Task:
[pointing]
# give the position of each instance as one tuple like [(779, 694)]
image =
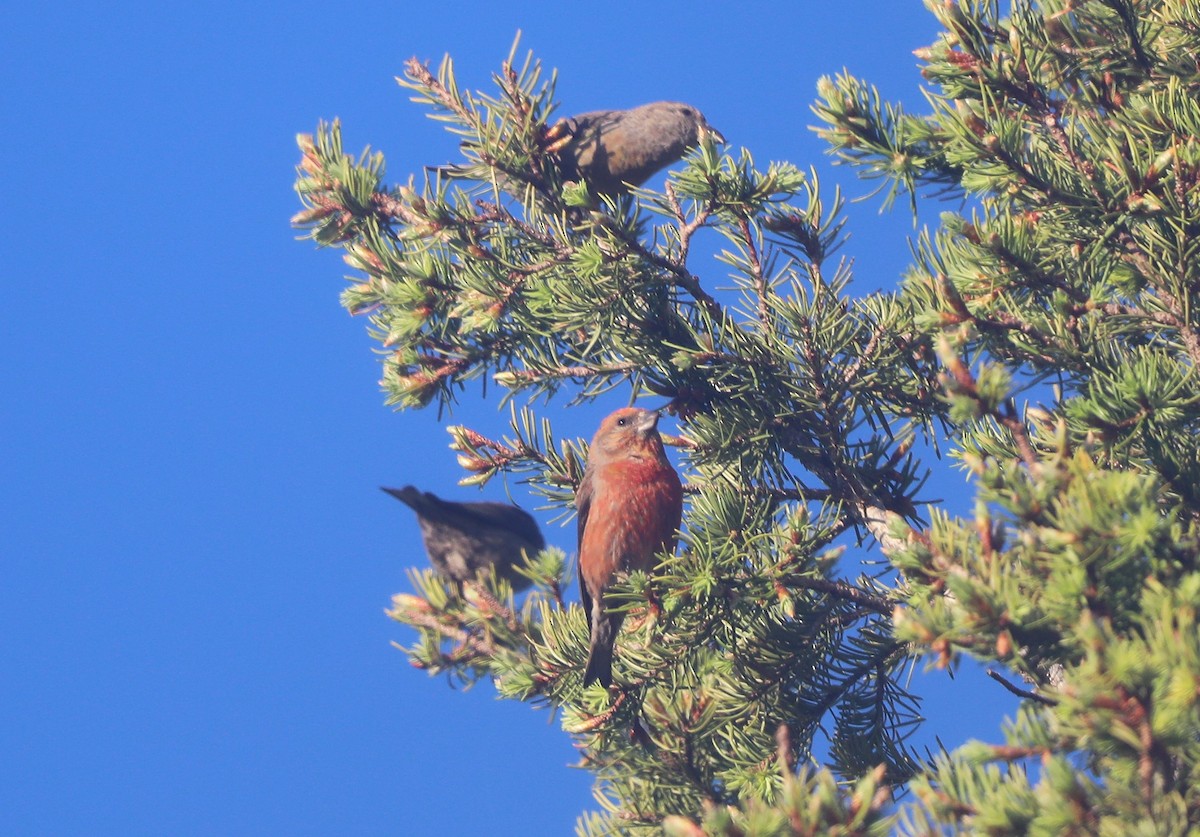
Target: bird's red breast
[(634, 512)]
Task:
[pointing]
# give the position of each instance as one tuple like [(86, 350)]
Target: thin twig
[(683, 277), (481, 646), (756, 272), (686, 229), (842, 590), (572, 371), (1019, 692), (597, 721)]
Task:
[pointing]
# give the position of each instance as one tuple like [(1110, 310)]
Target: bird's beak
[(649, 420), (714, 133)]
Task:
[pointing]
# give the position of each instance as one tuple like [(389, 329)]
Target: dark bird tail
[(600, 652), (407, 495)]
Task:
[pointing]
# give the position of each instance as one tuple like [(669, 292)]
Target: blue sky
[(196, 554)]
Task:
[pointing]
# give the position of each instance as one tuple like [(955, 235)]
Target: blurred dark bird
[(630, 503), (615, 149), (463, 538)]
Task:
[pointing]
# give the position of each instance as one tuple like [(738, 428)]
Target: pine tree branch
[(851, 373), (481, 647), (842, 590), (1129, 24), (830, 466), (495, 607), (761, 288), (1166, 318), (685, 229), (1019, 692), (1001, 322), (802, 494), (596, 721), (683, 277), (1020, 433), (964, 384), (494, 213), (572, 372), (1039, 184), (1133, 251), (420, 74), (872, 663), (1004, 752)]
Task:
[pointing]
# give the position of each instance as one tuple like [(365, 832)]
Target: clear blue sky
[(196, 556)]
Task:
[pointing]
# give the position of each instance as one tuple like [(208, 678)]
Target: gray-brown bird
[(463, 538), (615, 149), (630, 502), (610, 150)]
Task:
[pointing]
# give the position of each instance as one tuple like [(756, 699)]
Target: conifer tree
[(1045, 336)]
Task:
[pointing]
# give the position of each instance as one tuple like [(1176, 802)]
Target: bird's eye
[(622, 422)]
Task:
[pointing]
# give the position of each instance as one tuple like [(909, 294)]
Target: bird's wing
[(585, 132), (597, 119), (505, 516), (583, 505), (465, 516)]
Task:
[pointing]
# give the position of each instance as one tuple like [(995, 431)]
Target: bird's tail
[(600, 652)]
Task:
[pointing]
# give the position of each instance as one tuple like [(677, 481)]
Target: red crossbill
[(612, 148), (630, 502), (463, 538)]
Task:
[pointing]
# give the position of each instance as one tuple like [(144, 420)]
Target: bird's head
[(695, 126), (629, 432)]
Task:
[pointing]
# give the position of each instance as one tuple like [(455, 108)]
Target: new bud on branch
[(630, 504)]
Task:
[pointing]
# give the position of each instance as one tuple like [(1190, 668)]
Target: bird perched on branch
[(463, 538), (614, 149), (610, 150), (630, 503)]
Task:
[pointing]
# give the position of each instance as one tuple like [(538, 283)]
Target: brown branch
[(1004, 752), (686, 229), (419, 73), (966, 384), (1133, 251), (1030, 177), (571, 372), (1083, 167), (842, 590), (1190, 339), (756, 272), (683, 277), (1022, 693), (556, 592), (803, 494), (1008, 419), (851, 373), (597, 721), (1004, 321), (844, 483), (489, 211), (481, 646), (497, 608), (1166, 318), (783, 751)]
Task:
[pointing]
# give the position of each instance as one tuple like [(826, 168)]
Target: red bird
[(630, 502)]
